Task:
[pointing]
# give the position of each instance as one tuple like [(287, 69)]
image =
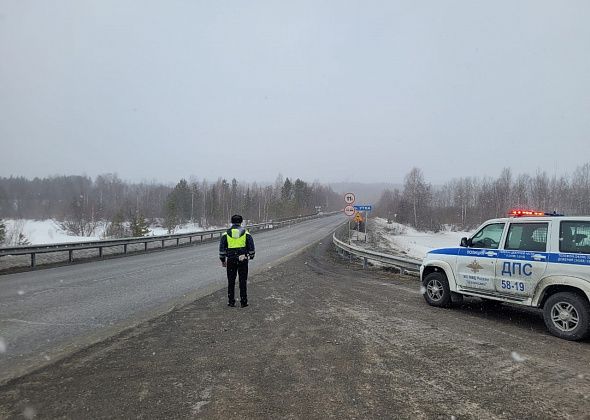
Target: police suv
[(531, 258)]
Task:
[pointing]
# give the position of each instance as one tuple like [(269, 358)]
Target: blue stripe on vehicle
[(550, 257), (445, 251)]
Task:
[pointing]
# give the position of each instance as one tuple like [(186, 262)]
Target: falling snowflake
[(2, 345), (517, 357), (21, 292), (422, 289)]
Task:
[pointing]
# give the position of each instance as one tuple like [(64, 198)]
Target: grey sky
[(332, 91)]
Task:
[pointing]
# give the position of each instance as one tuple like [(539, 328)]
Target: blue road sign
[(368, 207)]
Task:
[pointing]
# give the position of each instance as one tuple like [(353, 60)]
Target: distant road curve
[(49, 313)]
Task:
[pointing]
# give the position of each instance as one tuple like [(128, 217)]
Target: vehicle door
[(523, 261), (476, 263)]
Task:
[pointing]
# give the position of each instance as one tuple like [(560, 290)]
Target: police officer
[(235, 248)]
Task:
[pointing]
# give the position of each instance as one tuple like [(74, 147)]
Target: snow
[(41, 232), (517, 357), (186, 228), (415, 243)]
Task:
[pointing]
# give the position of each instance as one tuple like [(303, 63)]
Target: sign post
[(366, 208), (358, 218), (349, 199)]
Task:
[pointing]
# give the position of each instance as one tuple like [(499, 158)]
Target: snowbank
[(41, 232), (186, 228), (414, 243)]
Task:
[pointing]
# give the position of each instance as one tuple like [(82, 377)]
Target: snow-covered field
[(40, 232), (414, 243)]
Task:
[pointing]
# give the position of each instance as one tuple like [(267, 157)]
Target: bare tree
[(417, 193)]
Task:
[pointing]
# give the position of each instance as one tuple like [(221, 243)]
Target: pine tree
[(139, 226), (170, 219), (116, 228)]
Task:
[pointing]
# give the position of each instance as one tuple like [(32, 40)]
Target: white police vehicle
[(531, 258)]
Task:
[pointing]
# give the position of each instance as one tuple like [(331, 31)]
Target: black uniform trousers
[(235, 268)]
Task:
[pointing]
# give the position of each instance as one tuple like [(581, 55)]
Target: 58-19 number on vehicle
[(517, 286)]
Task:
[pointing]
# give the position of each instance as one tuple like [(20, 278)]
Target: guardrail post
[(177, 241), (364, 262), (162, 243), (70, 255), (125, 249), (32, 259), (100, 251), (145, 246), (200, 238), (190, 239)]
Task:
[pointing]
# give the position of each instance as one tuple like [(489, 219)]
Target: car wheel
[(567, 316), (436, 290)]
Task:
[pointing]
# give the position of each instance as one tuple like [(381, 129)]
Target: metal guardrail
[(100, 245), (406, 265)]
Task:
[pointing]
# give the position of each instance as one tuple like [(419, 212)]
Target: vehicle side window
[(527, 237), (488, 237), (574, 237)]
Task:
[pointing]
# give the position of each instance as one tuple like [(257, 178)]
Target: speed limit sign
[(349, 198)]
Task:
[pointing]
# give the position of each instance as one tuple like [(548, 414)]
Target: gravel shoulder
[(322, 339)]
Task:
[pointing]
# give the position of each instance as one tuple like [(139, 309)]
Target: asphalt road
[(48, 313), (321, 339)]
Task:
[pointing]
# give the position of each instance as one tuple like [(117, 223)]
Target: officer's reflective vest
[(235, 240)]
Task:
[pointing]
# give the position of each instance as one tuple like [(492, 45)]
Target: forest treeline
[(466, 202), (80, 202)]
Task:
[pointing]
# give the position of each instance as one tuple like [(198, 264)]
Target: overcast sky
[(327, 90)]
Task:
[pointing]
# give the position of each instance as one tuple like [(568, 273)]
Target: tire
[(437, 292), (567, 316)]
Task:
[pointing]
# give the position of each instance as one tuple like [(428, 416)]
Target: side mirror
[(465, 242)]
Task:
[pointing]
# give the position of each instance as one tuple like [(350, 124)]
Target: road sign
[(358, 217), (349, 211), (349, 198), (364, 207)]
